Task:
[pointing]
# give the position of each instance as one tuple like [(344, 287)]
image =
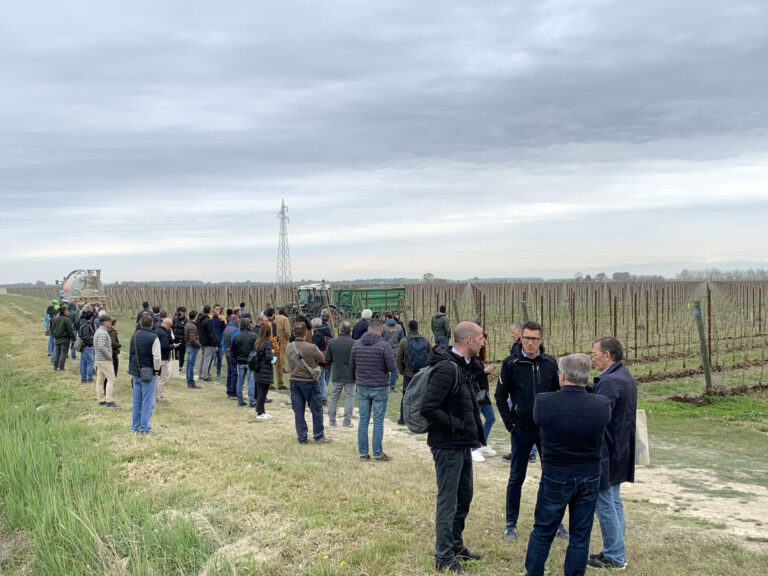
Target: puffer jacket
[(371, 360), (191, 339), (454, 418), (102, 345)]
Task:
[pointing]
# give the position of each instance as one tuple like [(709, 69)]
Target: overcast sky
[(156, 140)]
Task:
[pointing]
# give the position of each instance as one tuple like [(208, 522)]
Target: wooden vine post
[(703, 345)]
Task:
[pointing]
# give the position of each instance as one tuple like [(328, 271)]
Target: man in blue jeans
[(522, 378), (144, 353), (304, 359), (617, 385), (571, 425), (242, 345), (372, 362)]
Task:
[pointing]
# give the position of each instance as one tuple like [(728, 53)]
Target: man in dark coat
[(455, 427), (208, 342), (337, 355), (362, 326), (62, 332), (571, 426), (618, 458), (520, 380)]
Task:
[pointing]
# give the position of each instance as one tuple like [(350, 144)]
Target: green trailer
[(352, 301), (348, 302)]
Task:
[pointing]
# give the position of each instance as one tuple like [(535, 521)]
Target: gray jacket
[(371, 360), (102, 345), (337, 354)]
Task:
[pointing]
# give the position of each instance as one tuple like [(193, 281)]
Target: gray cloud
[(394, 110)]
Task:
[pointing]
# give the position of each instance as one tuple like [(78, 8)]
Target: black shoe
[(251, 404), (110, 404), (465, 554), (194, 386), (401, 422), (242, 404), (365, 457), (562, 533), (600, 561), (102, 403), (510, 533), (267, 400), (531, 458), (507, 457), (452, 566)]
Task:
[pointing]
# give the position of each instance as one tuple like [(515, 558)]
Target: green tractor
[(346, 303)]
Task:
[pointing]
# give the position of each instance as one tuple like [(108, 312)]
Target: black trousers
[(261, 395), (453, 470), (61, 352)]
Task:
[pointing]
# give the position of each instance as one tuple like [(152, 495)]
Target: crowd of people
[(585, 434)]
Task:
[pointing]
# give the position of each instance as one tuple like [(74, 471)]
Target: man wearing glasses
[(618, 458), (522, 378)]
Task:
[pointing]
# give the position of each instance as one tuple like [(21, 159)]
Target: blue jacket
[(360, 328), (618, 385), (571, 424), (371, 360)]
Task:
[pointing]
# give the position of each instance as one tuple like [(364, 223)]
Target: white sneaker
[(264, 416), (477, 457), (487, 450)]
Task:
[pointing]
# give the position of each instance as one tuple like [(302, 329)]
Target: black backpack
[(417, 353), (414, 394)]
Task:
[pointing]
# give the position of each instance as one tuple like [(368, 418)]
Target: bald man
[(167, 345), (450, 406)]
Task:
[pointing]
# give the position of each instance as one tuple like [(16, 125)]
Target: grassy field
[(218, 492)]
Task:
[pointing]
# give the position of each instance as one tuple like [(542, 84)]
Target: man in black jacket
[(179, 319), (450, 407), (571, 425), (521, 379), (242, 345), (62, 332), (208, 343), (337, 355)]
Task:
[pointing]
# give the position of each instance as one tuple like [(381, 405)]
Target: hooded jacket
[(371, 360), (441, 326), (454, 418)]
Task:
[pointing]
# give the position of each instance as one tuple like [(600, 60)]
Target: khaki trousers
[(105, 380), (280, 364), (161, 380)]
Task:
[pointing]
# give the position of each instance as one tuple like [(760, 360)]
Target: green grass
[(217, 493)]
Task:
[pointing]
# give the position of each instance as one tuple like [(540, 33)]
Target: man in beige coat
[(105, 368), (283, 334)]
